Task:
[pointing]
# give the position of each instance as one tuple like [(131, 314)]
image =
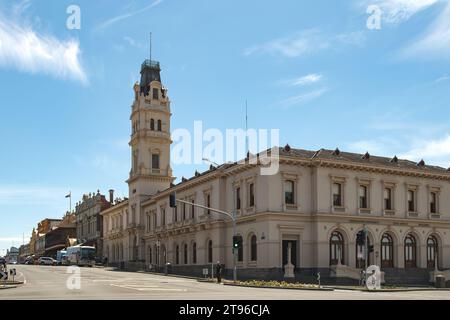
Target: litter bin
[(168, 268), (440, 281)]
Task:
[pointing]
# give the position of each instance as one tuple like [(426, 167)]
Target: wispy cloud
[(23, 48), (398, 11), (30, 195), (303, 98), (304, 80), (305, 42), (133, 42), (443, 78), (435, 42), (111, 21)]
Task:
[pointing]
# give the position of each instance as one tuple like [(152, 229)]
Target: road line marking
[(147, 289)]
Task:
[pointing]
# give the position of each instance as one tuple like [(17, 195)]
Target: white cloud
[(438, 149), (435, 42), (303, 98), (304, 80), (306, 42), (23, 48), (111, 21), (443, 78), (398, 11), (133, 42)]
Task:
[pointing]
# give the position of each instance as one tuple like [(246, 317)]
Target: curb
[(284, 288), (7, 287), (393, 290)]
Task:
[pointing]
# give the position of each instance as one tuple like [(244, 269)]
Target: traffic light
[(361, 238), (173, 200), (237, 242)]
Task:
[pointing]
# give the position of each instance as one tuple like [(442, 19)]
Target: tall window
[(192, 210), (240, 251), (152, 124), (387, 199), (208, 203), (177, 255), (159, 125), (252, 195), (175, 214), (360, 258), (184, 211), (185, 251), (210, 252), (155, 93), (337, 194), (289, 192), (432, 252), (163, 217), (150, 257), (411, 201), (387, 251), (433, 202), (253, 248), (155, 161), (410, 251), (363, 197), (194, 253), (238, 198), (336, 248)]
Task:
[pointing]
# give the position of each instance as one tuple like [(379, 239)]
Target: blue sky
[(310, 68)]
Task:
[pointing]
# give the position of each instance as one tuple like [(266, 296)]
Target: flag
[(69, 195)]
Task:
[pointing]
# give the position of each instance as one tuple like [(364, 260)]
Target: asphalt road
[(46, 282)]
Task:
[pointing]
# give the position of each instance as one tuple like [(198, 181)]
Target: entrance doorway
[(294, 250)]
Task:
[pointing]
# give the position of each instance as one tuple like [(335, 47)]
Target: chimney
[(111, 196)]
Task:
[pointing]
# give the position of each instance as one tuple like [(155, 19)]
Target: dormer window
[(155, 93)]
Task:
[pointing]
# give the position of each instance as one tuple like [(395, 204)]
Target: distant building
[(89, 222), (12, 255), (24, 252)]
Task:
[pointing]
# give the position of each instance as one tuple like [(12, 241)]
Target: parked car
[(46, 261)]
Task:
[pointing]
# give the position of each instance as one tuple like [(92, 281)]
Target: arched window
[(210, 252), (152, 124), (194, 253), (253, 248), (432, 252), (185, 253), (177, 255), (336, 248), (360, 258), (159, 125), (387, 251), (410, 252), (240, 250)]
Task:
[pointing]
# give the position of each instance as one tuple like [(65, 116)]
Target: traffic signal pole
[(232, 216)]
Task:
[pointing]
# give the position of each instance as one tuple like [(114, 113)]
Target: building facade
[(311, 210), (89, 222)]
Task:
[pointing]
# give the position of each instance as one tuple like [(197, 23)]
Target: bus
[(81, 256), (60, 257)]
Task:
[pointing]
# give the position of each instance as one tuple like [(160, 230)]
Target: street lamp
[(232, 216), (212, 162)]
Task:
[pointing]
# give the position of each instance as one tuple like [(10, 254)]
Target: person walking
[(219, 272)]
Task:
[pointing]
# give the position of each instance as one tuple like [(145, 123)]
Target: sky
[(325, 73)]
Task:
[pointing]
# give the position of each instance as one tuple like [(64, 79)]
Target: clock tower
[(150, 146)]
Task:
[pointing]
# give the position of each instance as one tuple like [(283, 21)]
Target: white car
[(47, 261)]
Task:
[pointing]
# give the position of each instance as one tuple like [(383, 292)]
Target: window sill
[(388, 212), (364, 211), (291, 207), (338, 209), (413, 214), (434, 216), (252, 264), (250, 210)]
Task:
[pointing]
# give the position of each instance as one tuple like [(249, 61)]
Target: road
[(46, 282)]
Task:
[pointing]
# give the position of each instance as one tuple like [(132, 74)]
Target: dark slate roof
[(336, 155)]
